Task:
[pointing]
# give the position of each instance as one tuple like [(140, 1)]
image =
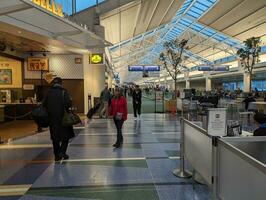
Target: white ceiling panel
[(247, 23), (238, 13), (172, 11), (220, 9), (159, 13), (255, 32), (128, 22), (147, 10)]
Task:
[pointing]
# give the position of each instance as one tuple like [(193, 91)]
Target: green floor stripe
[(172, 153), (117, 163), (108, 145), (104, 193), (168, 140)]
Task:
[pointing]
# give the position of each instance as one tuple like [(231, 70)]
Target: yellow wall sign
[(38, 64), (97, 58), (51, 6)]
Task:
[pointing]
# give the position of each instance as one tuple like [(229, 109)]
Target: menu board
[(38, 64)]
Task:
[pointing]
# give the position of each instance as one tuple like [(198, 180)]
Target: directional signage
[(220, 68), (152, 68), (135, 68), (140, 68)]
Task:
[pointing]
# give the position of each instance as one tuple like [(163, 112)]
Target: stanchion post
[(181, 172), (215, 167)]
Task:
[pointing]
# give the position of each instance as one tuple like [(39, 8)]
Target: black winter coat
[(136, 97), (56, 105), (260, 132)]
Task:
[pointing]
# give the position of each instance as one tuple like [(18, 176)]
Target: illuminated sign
[(97, 58), (152, 68), (38, 64), (220, 68), (51, 6), (140, 68), (135, 68)]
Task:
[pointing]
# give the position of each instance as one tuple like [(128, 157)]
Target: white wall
[(61, 65)]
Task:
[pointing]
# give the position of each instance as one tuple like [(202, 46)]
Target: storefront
[(36, 44)]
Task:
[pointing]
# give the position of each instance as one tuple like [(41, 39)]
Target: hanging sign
[(217, 122), (135, 68), (141, 68), (38, 64), (219, 68), (152, 68), (96, 58), (51, 6)]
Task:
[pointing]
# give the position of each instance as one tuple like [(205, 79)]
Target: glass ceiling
[(186, 19)]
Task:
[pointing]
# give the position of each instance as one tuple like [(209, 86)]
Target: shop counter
[(17, 111)]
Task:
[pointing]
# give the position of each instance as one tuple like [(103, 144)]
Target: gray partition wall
[(233, 167), (198, 150), (241, 168)]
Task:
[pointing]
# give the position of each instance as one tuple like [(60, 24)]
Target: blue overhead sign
[(221, 68), (152, 68), (140, 68), (135, 68)]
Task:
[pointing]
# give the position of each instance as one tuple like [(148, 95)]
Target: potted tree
[(249, 56), (171, 59)]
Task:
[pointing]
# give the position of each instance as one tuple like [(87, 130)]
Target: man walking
[(137, 96), (105, 98), (57, 102)]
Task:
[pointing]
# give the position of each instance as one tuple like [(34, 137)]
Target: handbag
[(40, 116), (69, 118), (119, 116)]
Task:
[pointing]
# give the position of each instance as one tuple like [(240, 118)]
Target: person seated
[(260, 118)]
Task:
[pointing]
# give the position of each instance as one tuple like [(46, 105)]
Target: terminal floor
[(17, 129), (148, 106), (142, 169)]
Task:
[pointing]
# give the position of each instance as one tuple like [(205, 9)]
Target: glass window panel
[(200, 6), (206, 2), (197, 10), (83, 4), (193, 14), (67, 6)]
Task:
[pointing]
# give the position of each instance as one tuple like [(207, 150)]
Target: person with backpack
[(118, 110), (57, 101)]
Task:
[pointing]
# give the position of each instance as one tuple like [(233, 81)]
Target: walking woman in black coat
[(57, 101)]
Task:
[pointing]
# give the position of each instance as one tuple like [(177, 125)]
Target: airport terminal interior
[(132, 99)]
